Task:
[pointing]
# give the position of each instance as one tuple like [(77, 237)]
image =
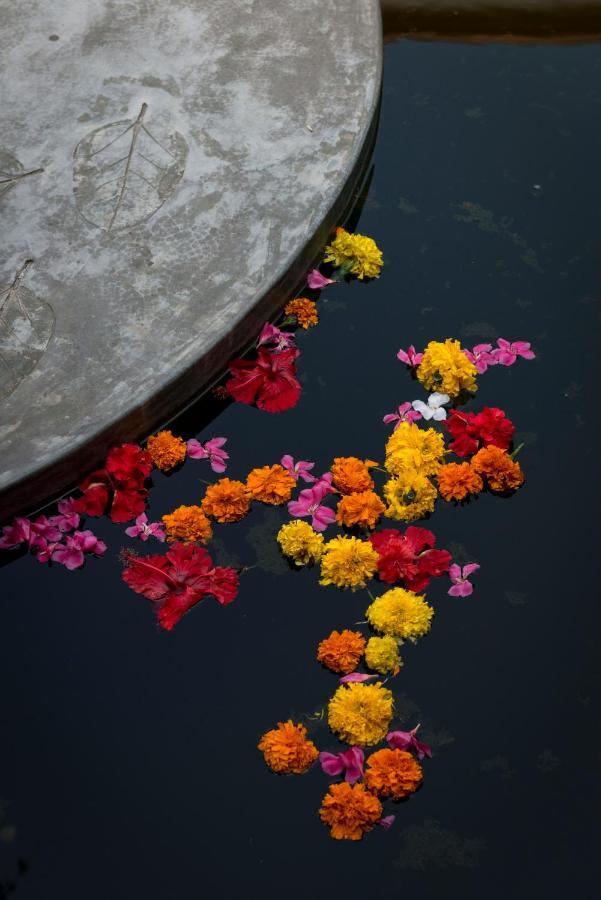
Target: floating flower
[(351, 475), (406, 740), (446, 368), (473, 430), (300, 469), (502, 473), (341, 651), (362, 509), (409, 557), (210, 450), (268, 381), (350, 811), (356, 678), (316, 281), (354, 254), (507, 353), (308, 503), (401, 614), (71, 554), (300, 543), (166, 450), (393, 774), (119, 486), (382, 655), (349, 761), (286, 749), (410, 496), (226, 500), (304, 311), (410, 357), (461, 587), (360, 713), (270, 484), (276, 339), (415, 449), (348, 562), (434, 408), (458, 481), (177, 580), (67, 518), (404, 413), (482, 357), (145, 529), (34, 534), (188, 524)]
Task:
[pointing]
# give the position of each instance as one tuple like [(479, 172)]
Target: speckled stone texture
[(168, 171)]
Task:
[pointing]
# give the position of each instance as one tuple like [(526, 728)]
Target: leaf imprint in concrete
[(124, 172), (26, 326), (12, 171)]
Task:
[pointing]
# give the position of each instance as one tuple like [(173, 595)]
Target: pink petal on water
[(196, 450), (386, 821), (316, 281), (454, 572), (331, 763), (463, 589), (470, 569), (356, 677)]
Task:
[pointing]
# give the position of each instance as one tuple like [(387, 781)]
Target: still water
[(128, 761)]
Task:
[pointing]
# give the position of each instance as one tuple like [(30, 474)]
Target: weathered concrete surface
[(195, 154)]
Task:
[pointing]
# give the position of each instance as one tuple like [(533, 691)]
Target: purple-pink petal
[(316, 281), (387, 821), (469, 569), (356, 677), (331, 763), (462, 589)]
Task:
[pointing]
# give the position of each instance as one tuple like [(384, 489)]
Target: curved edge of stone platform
[(47, 479)]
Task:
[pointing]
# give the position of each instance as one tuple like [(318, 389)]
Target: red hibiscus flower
[(474, 430), (121, 484), (409, 557), (178, 580), (269, 380)]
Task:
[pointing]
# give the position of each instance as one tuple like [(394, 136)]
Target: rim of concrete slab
[(189, 381)]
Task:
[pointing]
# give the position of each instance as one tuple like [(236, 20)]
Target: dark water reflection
[(128, 761)]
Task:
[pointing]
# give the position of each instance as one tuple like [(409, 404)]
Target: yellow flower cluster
[(410, 496), (347, 562), (414, 449), (446, 368), (382, 655), (300, 543), (355, 254), (400, 614), (360, 714)]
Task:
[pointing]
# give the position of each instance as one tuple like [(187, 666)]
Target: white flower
[(433, 409)]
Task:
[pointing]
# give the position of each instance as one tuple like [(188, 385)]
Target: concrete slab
[(168, 170)]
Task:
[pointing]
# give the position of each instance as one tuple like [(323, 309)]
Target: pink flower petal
[(356, 678), (463, 589), (386, 821), (316, 281)]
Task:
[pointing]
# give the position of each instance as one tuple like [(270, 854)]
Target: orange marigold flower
[(270, 484), (287, 750), (393, 773), (456, 481), (341, 651), (188, 523), (303, 310), (500, 470), (166, 450), (350, 811), (351, 475), (363, 508), (226, 500)]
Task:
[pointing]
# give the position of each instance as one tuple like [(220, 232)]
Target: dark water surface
[(128, 760)]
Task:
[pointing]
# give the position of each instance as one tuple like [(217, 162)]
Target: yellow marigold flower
[(287, 750), (300, 543), (166, 450), (350, 811), (348, 562), (411, 448), (456, 481), (304, 311), (446, 368), (226, 500), (393, 773), (382, 655), (360, 713), (356, 254), (351, 475), (270, 484), (501, 471), (401, 614), (363, 509), (410, 496), (188, 523), (341, 651)]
